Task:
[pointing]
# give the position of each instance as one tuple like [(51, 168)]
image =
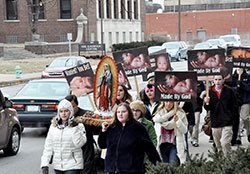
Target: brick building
[(122, 20), (200, 24)]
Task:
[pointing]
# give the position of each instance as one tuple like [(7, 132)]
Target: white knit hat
[(65, 104)]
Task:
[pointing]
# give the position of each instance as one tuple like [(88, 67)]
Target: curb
[(16, 82)]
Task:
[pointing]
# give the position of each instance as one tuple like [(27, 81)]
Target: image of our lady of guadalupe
[(104, 89)]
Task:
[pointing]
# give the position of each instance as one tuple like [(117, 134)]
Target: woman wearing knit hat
[(139, 110), (63, 142)]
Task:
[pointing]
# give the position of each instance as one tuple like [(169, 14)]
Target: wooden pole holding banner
[(93, 106), (175, 127), (239, 76), (207, 88), (137, 88)]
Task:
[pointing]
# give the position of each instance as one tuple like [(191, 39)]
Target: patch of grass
[(32, 65)]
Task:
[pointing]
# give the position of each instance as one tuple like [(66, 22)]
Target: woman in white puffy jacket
[(63, 142), (172, 148)]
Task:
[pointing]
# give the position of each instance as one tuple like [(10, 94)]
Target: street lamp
[(179, 20)]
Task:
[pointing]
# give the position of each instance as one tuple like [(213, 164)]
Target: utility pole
[(100, 1), (179, 20)]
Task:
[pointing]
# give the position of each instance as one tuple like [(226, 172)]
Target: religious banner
[(105, 85), (134, 61), (80, 79), (175, 86), (240, 55)]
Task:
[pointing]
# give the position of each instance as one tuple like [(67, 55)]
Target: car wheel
[(14, 143)]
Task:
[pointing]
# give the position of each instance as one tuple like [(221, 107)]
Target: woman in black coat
[(126, 141)]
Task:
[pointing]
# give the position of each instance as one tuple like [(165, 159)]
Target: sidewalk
[(10, 79)]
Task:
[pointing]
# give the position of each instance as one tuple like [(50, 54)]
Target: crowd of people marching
[(145, 130)]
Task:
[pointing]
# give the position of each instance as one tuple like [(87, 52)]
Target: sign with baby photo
[(240, 56), (161, 62), (134, 61), (122, 78), (175, 86), (209, 62), (80, 79)]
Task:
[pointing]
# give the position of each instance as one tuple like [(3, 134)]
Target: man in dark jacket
[(88, 148), (243, 88), (223, 105)]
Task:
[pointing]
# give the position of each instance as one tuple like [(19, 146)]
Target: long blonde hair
[(162, 105)]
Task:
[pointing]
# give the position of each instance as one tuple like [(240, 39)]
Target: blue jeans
[(169, 153), (68, 172)]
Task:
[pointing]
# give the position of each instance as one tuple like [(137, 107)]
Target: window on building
[(142, 36), (65, 9), (12, 39), (108, 5), (63, 38), (129, 9), (117, 37), (234, 30), (135, 10), (110, 38), (115, 9), (122, 9), (92, 37), (137, 36), (189, 36), (130, 36), (124, 37), (100, 8), (11, 9)]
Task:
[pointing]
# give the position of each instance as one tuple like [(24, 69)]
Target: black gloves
[(45, 170)]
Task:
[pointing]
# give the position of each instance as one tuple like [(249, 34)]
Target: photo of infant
[(162, 62), (209, 62), (206, 61), (81, 85), (80, 79), (134, 62), (176, 85)]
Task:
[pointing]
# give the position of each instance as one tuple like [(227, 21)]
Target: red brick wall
[(51, 28), (215, 22)]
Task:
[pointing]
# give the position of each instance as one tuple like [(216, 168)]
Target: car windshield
[(63, 62), (171, 45), (229, 39), (203, 45), (45, 89), (214, 42)]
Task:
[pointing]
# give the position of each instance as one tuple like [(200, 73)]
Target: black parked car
[(10, 128), (37, 102)]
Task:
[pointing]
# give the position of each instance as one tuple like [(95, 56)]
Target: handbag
[(206, 127)]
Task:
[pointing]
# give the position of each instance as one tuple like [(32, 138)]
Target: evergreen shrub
[(237, 163), (124, 46)]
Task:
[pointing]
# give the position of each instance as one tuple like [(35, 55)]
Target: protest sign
[(175, 86), (240, 55), (122, 78), (80, 79), (209, 62), (134, 61)]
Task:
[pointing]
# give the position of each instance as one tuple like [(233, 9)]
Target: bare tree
[(33, 14)]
